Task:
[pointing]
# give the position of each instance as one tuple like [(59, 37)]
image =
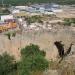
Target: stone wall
[(45, 39)]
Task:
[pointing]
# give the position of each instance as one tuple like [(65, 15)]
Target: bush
[(69, 21), (34, 19), (8, 35), (32, 60), (32, 50), (6, 64), (13, 34)]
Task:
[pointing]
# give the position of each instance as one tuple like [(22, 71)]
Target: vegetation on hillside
[(69, 21), (32, 62), (4, 11), (7, 64), (23, 2), (9, 34), (33, 19)]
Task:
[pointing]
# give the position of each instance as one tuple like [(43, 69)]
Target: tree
[(8, 35), (23, 2), (67, 22), (6, 64), (32, 60), (13, 34), (31, 51), (33, 19)]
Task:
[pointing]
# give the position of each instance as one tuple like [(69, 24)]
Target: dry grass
[(63, 67)]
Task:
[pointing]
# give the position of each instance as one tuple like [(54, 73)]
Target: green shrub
[(69, 21), (6, 64), (33, 60), (8, 35), (13, 34), (33, 19)]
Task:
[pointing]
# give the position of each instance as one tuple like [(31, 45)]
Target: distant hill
[(20, 2)]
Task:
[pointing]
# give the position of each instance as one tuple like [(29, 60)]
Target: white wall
[(57, 10), (5, 17), (20, 7), (48, 13), (15, 11)]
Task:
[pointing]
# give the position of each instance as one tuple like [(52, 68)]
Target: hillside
[(19, 2)]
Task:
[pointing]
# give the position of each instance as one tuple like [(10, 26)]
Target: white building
[(15, 11), (6, 17), (48, 13), (20, 7), (32, 26), (56, 10)]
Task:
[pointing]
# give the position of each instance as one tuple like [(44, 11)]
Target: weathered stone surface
[(72, 50), (42, 38), (51, 72)]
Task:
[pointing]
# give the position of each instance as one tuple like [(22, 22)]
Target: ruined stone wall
[(42, 38)]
